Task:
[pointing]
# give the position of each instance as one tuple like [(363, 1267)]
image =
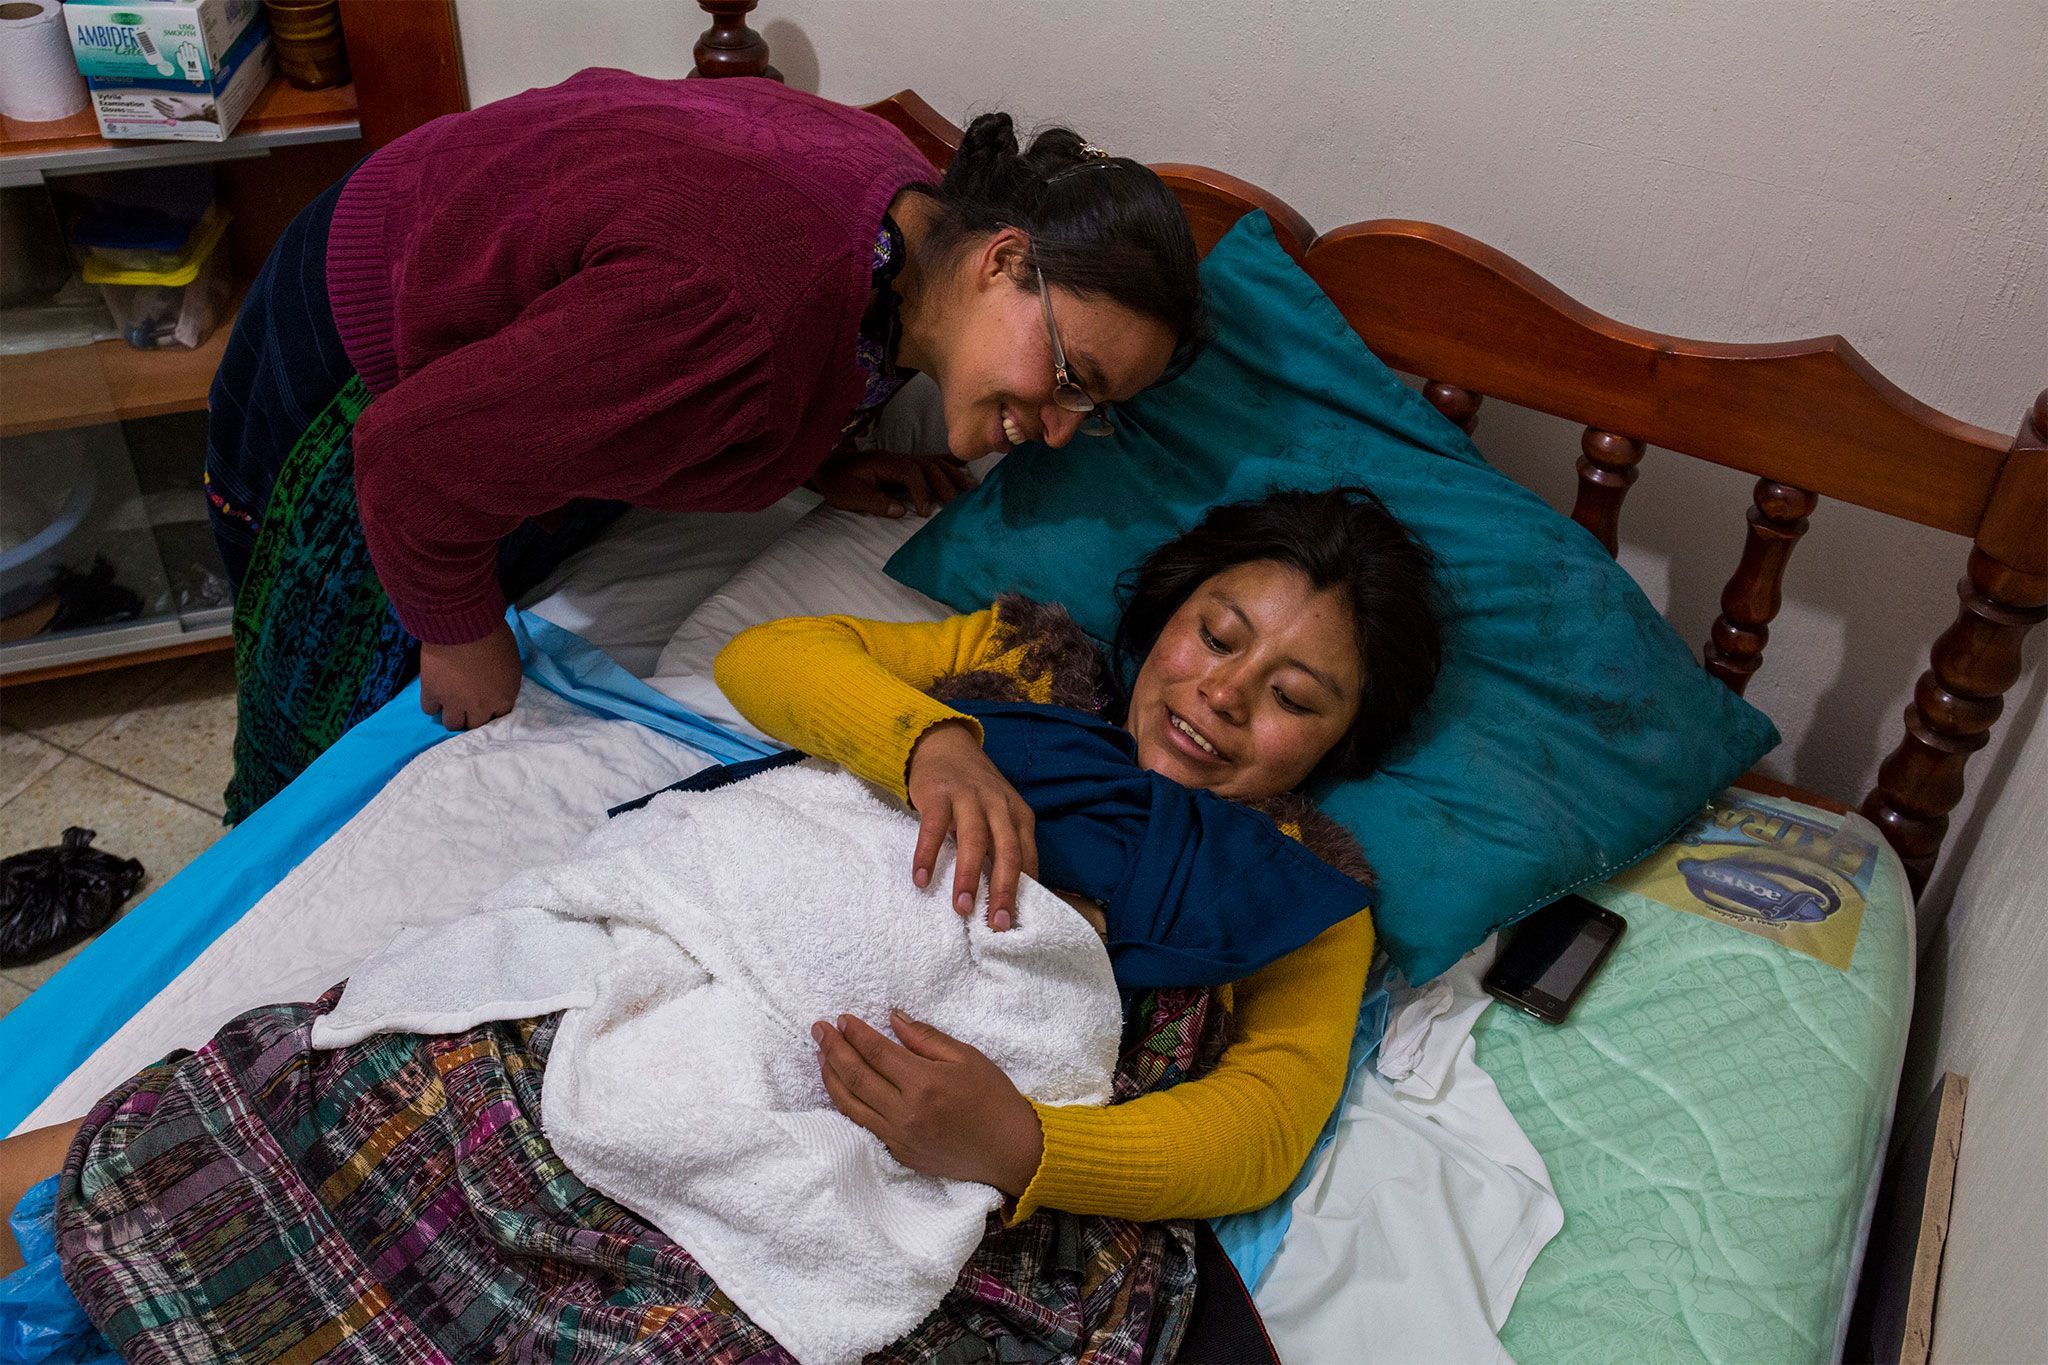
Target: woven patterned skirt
[(317, 645), (397, 1201)]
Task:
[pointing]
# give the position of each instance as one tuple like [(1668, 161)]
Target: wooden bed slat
[(1756, 589), (1892, 1322), (1607, 469)]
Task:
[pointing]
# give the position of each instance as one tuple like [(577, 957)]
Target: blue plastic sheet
[(572, 668), (49, 1034), (40, 1321)]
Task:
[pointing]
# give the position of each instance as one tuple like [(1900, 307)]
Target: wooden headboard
[(1810, 419)]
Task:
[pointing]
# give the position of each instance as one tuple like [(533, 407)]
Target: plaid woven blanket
[(396, 1201)]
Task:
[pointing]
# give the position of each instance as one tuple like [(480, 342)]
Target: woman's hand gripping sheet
[(956, 790), (468, 685), (938, 1105)]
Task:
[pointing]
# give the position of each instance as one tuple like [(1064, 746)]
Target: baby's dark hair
[(1339, 538), (1100, 226)]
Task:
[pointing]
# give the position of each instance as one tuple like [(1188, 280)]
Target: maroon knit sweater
[(620, 288)]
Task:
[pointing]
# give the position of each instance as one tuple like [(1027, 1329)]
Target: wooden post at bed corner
[(1957, 700), (729, 47)]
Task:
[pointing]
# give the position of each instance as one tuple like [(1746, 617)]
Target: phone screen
[(1546, 960), (1575, 961)]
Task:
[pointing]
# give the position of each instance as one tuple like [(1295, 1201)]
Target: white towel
[(692, 945)]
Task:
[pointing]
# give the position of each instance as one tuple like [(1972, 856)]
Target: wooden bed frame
[(1810, 419)]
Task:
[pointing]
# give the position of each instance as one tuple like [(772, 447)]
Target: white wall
[(1733, 171), (1726, 169), (1993, 1016)]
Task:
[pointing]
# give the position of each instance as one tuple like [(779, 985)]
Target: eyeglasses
[(1068, 394)]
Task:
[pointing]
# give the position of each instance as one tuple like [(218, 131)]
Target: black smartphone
[(1547, 959)]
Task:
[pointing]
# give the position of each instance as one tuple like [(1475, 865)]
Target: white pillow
[(828, 564)]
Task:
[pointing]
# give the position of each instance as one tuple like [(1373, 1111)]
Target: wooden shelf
[(207, 640), (283, 114), (108, 381)]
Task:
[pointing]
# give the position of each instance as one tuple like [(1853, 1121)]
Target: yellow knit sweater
[(848, 690)]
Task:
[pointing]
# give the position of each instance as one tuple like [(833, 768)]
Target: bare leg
[(28, 1160)]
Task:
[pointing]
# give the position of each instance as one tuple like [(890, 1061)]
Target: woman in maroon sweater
[(509, 324)]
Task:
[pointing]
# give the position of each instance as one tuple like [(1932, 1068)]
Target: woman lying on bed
[(1281, 640)]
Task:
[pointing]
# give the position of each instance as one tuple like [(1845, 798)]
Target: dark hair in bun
[(1102, 226)]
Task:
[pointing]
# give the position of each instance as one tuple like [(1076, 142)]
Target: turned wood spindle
[(1953, 708), (729, 47), (1755, 590), (1460, 405), (1607, 467), (2004, 595)]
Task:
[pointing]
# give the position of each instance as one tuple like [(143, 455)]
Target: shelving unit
[(289, 147), (110, 381)]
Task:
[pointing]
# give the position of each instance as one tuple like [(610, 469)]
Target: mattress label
[(1792, 874)]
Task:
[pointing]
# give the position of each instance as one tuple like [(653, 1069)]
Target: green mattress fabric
[(1712, 1114)]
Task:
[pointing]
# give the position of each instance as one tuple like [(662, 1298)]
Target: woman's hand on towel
[(940, 1106), (473, 684), (956, 789)]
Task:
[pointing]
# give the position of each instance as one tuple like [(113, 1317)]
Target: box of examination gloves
[(157, 40), (180, 69)]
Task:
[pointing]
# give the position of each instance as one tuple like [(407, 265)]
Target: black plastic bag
[(51, 898), (92, 598)]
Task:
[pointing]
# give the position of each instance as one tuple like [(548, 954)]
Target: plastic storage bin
[(164, 298)]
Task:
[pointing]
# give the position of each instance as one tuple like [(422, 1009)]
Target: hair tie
[(1098, 160)]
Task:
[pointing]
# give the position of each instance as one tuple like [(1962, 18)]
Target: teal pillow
[(1571, 732)]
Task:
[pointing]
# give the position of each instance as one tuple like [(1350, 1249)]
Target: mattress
[(1714, 1111)]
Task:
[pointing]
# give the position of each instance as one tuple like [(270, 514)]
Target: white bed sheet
[(629, 591)]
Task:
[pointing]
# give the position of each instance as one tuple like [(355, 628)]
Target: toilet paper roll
[(39, 80)]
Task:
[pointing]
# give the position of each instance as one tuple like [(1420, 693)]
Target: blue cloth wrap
[(1198, 890)]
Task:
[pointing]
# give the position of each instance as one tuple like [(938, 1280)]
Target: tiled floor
[(139, 754)]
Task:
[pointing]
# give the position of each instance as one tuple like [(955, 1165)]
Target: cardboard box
[(205, 110), (156, 40)]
